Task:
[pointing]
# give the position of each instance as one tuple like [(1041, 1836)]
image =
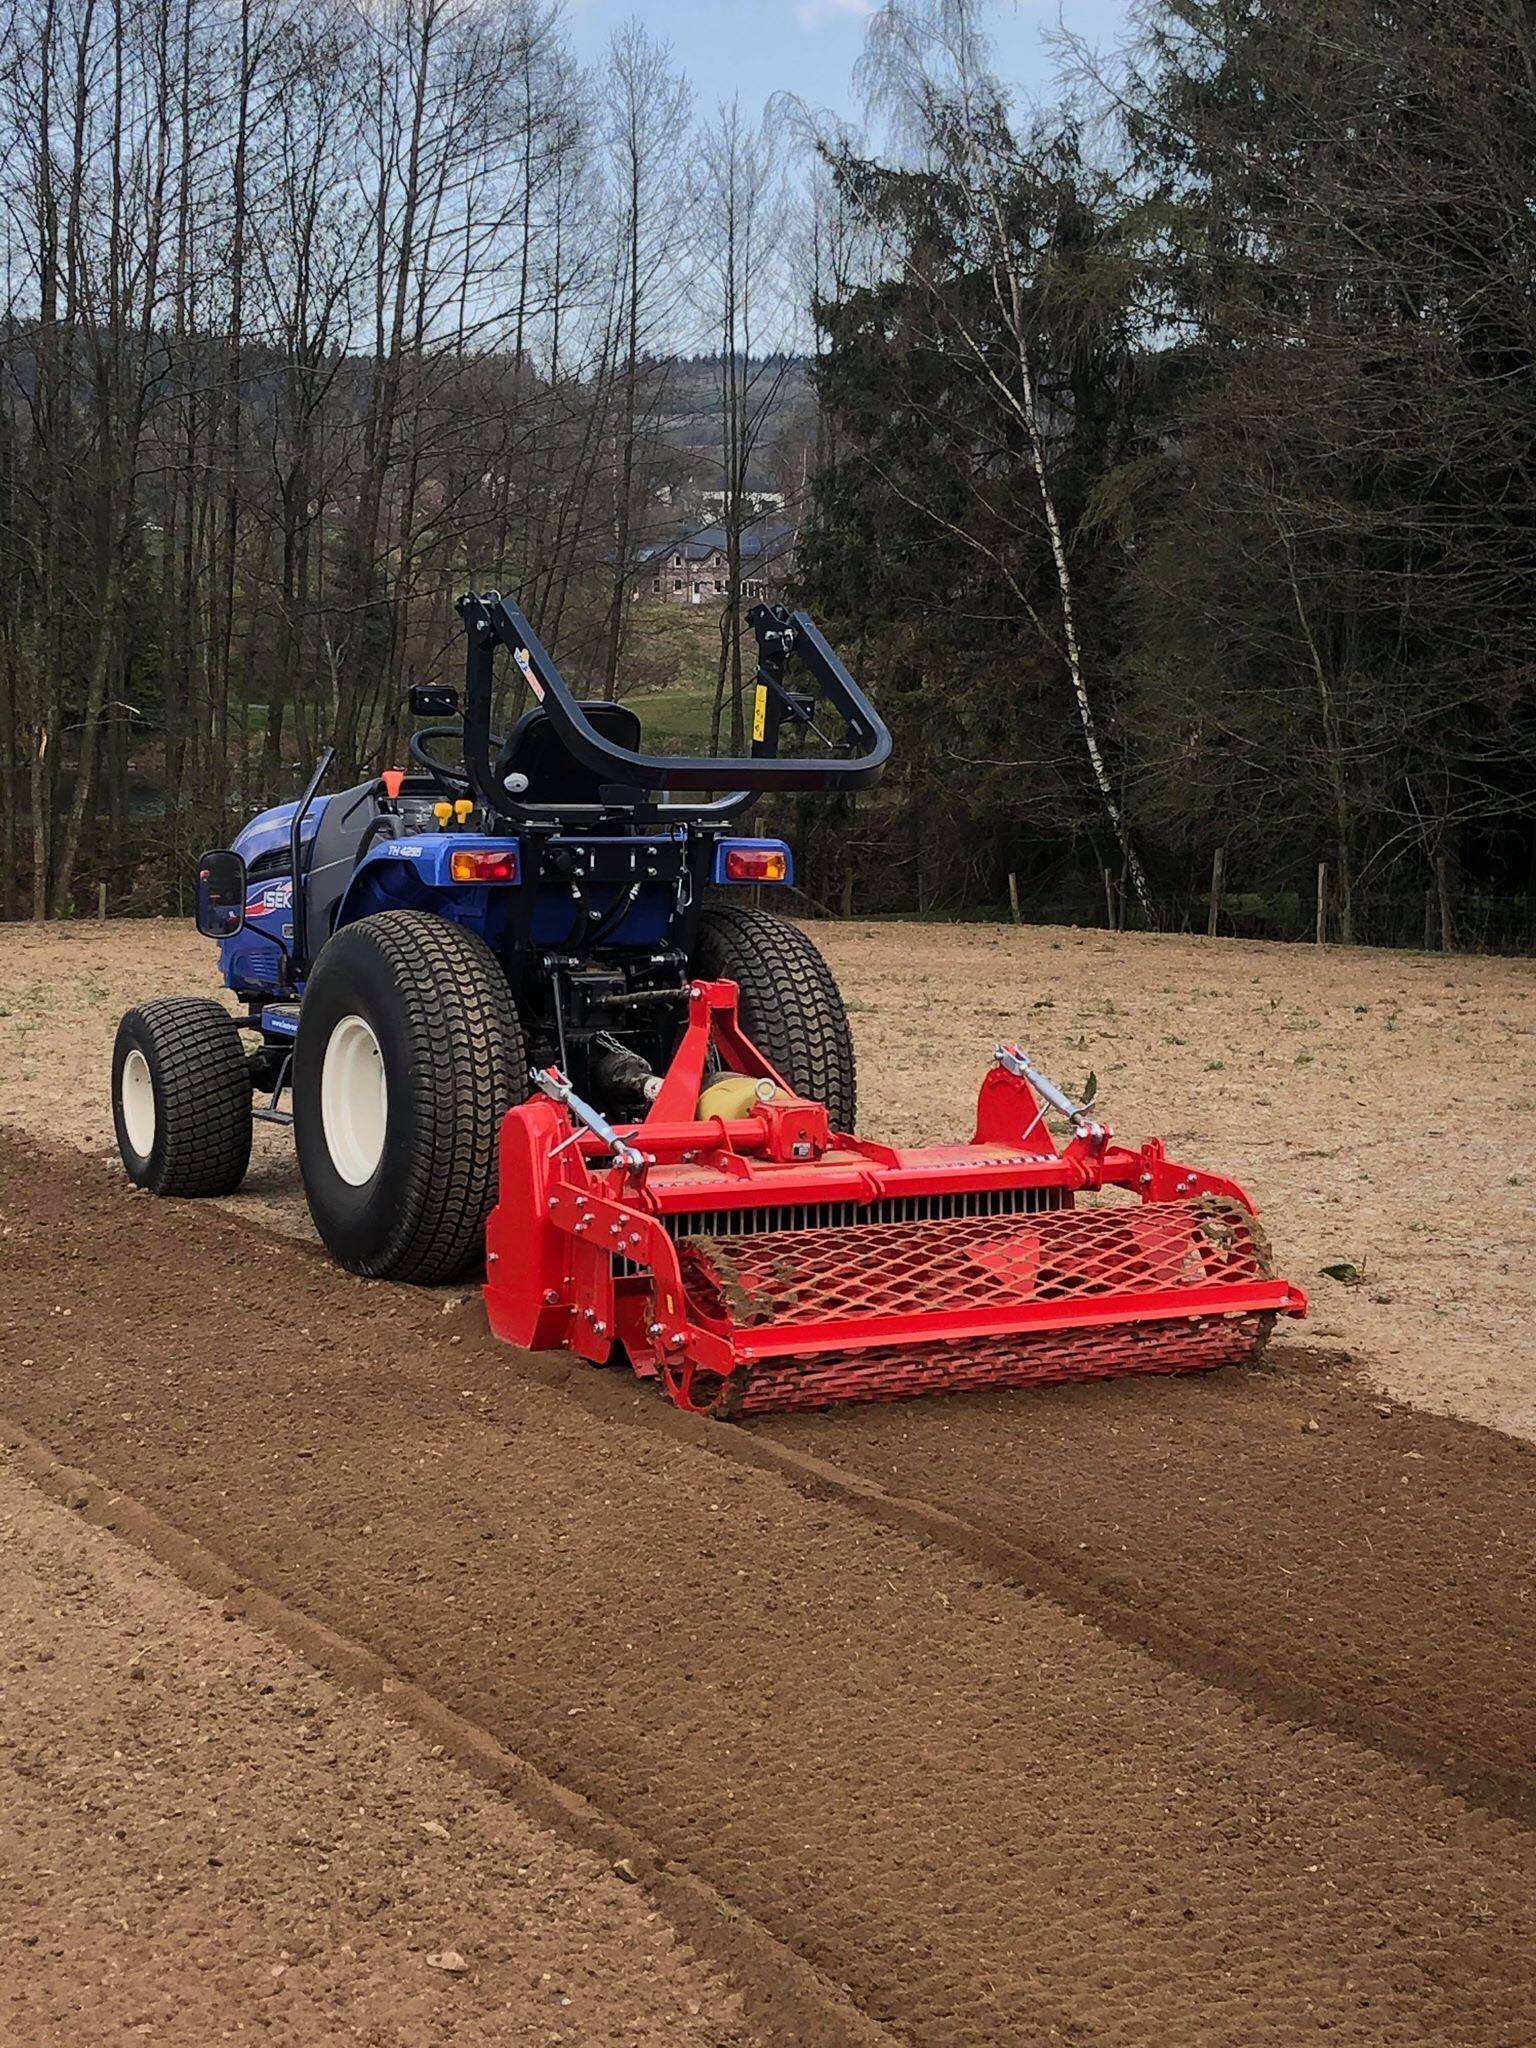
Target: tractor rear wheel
[(181, 1097), (409, 1053), (790, 1005)]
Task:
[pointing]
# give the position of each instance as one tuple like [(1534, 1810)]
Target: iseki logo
[(274, 896)]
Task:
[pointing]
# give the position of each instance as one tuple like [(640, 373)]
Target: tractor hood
[(268, 830)]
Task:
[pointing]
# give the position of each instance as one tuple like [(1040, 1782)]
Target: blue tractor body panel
[(415, 873)]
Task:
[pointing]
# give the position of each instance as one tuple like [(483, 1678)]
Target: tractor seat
[(535, 749)]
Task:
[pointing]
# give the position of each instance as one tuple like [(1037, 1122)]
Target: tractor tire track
[(1216, 1526), (802, 2008), (979, 1816), (1164, 1555)]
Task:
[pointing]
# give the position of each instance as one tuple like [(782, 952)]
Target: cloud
[(814, 14)]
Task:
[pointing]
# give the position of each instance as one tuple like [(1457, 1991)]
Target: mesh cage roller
[(1090, 1261)]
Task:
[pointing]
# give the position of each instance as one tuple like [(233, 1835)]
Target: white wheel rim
[(139, 1103), (354, 1100)]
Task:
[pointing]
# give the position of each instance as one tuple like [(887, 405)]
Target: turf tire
[(453, 1058), (185, 1055), (790, 1004)]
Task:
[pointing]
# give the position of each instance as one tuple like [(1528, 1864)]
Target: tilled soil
[(1127, 1715), (204, 1840), (1282, 1531)]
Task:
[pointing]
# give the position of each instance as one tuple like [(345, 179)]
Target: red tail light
[(755, 864), (469, 866)]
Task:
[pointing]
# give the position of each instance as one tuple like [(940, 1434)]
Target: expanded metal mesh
[(1042, 1359), (873, 1271)]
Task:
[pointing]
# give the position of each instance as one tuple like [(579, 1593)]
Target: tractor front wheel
[(181, 1097), (790, 1006), (409, 1053)]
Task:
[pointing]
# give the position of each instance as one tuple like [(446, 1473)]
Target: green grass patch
[(674, 721), (671, 660)]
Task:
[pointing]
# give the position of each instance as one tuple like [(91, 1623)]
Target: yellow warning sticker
[(760, 713)]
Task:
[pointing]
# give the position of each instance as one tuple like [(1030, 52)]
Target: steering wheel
[(453, 780)]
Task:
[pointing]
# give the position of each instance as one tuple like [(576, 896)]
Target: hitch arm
[(551, 1082)]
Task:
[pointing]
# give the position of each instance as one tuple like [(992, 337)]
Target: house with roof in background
[(692, 567)]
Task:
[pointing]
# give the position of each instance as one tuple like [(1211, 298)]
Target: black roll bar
[(492, 621), (299, 957)]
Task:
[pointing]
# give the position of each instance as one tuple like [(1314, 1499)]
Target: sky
[(755, 48)]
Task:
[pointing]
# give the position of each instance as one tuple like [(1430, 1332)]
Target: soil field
[(1380, 1107), (1043, 1774), (203, 1840), (1191, 1711)]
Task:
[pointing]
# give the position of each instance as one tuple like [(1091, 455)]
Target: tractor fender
[(415, 874)]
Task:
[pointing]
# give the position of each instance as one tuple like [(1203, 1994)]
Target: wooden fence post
[(101, 899), (1109, 898), (1013, 896), (1429, 920), (1322, 903), (848, 890), (1218, 877), (1443, 900)]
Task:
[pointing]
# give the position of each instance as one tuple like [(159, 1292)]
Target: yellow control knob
[(443, 812), (462, 809)]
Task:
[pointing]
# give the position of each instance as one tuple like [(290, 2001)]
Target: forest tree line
[(318, 312), (1170, 482), (1180, 473)]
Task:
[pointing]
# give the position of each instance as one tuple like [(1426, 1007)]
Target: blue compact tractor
[(412, 952)]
